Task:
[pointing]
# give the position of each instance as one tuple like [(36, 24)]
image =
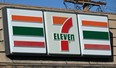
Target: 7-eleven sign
[(61, 33)]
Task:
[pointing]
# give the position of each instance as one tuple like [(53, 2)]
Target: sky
[(110, 7)]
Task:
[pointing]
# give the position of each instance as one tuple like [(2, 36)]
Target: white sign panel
[(62, 33), (94, 35), (25, 31), (28, 31)]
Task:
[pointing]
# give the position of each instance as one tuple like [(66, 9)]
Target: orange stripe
[(94, 23), (26, 18), (59, 20)]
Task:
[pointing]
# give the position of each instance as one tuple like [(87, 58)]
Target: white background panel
[(96, 42), (26, 24), (27, 38), (54, 47), (95, 29), (88, 41), (96, 52), (11, 23)]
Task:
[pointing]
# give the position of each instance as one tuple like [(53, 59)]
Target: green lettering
[(69, 38), (65, 36), (58, 36), (72, 37), (55, 37), (61, 36)]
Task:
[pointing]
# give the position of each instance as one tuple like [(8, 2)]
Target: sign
[(94, 35), (25, 30), (62, 33), (28, 31)]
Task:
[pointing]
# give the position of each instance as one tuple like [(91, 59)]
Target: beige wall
[(6, 62)]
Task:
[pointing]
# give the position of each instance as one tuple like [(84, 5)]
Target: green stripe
[(95, 35), (27, 31)]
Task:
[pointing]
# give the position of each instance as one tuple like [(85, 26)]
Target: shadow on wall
[(62, 58)]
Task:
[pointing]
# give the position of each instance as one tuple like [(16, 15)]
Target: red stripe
[(64, 46), (97, 47), (28, 44), (67, 25)]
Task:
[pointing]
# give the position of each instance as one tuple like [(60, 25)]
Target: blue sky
[(110, 7)]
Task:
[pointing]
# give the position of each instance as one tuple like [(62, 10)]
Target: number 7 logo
[(66, 25)]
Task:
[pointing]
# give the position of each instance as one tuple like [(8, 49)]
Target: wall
[(39, 62)]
